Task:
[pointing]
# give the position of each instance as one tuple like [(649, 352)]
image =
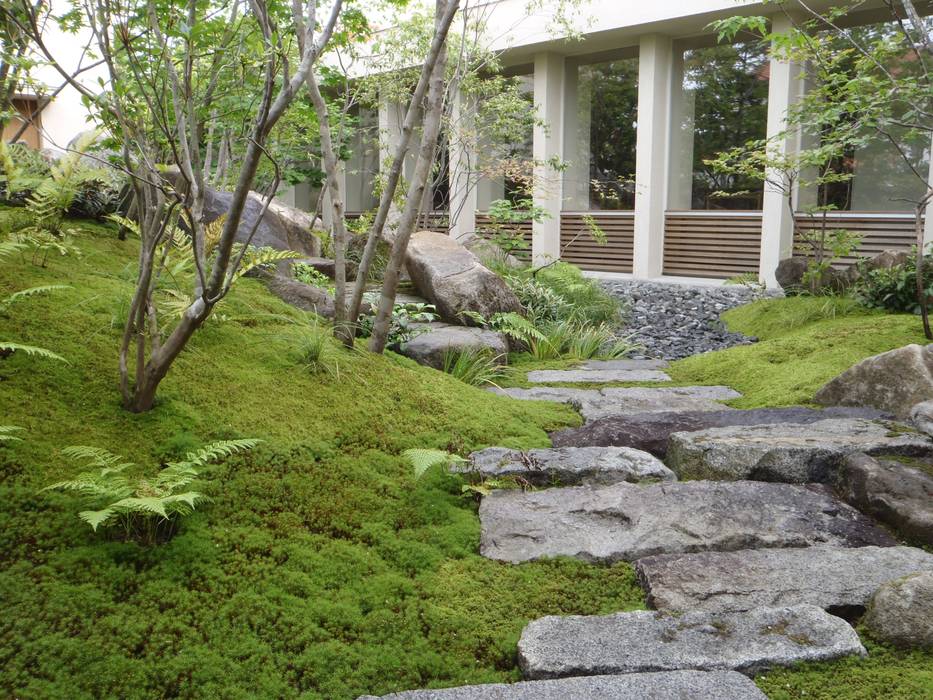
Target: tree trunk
[(921, 288), (430, 132)]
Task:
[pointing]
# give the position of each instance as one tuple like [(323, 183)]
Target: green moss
[(793, 360)]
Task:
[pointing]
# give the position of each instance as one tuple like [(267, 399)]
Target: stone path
[(752, 566)]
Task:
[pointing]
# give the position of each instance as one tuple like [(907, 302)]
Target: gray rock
[(652, 431), (901, 611), (594, 404), (673, 685), (570, 465), (749, 642), (892, 493), (893, 381), (887, 259), (838, 579), (303, 296), (558, 376), (627, 521), (454, 280), (790, 275), (327, 266), (429, 348), (625, 364), (789, 452), (922, 416)]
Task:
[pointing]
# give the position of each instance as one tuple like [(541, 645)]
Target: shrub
[(579, 341), (560, 292), (404, 316), (146, 508), (310, 275), (894, 289)]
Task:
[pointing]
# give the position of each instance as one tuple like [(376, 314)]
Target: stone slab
[(594, 404), (652, 431), (625, 364), (595, 376), (749, 642), (673, 685), (434, 340), (629, 521), (834, 578), (569, 465), (793, 453)]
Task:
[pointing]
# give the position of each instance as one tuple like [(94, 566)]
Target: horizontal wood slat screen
[(879, 231), (579, 247), (436, 220), (484, 227), (711, 244)]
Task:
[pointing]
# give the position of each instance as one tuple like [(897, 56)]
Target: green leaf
[(31, 350), (422, 459), (96, 518)]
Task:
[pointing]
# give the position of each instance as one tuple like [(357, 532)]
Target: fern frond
[(6, 433), (422, 459), (147, 504), (96, 518), (96, 455), (212, 233), (9, 347), (258, 257), (7, 248), (126, 223), (33, 291), (217, 450)]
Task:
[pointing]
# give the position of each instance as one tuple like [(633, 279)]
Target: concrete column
[(683, 111), (549, 94), (777, 222), (577, 112), (462, 167), (652, 146)]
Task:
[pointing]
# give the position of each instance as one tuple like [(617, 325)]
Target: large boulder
[(840, 580), (433, 341), (652, 431), (624, 522), (300, 295), (454, 280), (790, 275), (789, 452), (896, 494), (901, 611), (749, 642), (893, 381)]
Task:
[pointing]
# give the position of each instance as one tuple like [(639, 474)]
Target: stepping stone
[(569, 465), (837, 579), (557, 376), (594, 404), (673, 685), (749, 642), (434, 340), (625, 364), (628, 521), (793, 453), (652, 431)]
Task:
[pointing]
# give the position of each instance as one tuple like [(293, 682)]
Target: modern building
[(633, 105)]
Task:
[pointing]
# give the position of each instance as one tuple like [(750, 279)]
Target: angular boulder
[(895, 494), (652, 431), (749, 642), (840, 580), (673, 685), (921, 416), (454, 280), (893, 381), (300, 295), (430, 347), (901, 611), (788, 452), (624, 522), (570, 465), (790, 275)]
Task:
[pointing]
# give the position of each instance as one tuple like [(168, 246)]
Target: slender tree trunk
[(438, 43), (430, 132), (921, 287)]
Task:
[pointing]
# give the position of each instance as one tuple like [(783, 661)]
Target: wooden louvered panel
[(580, 248), (436, 220), (711, 244), (881, 231), (484, 227)]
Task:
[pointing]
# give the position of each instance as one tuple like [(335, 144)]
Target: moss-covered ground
[(321, 569)]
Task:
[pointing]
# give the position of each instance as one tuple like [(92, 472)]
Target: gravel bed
[(671, 321)]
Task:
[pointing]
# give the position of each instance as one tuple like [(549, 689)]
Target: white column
[(577, 117), (391, 117), (462, 167), (549, 84), (683, 111), (777, 222), (655, 75)]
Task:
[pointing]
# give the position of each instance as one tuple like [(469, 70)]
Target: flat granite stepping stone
[(837, 579), (652, 431), (748, 642), (625, 364), (673, 685), (569, 465), (580, 376), (630, 521), (594, 404), (793, 453)]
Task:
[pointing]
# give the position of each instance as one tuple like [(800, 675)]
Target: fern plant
[(6, 433), (509, 323), (145, 508), (421, 459)]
